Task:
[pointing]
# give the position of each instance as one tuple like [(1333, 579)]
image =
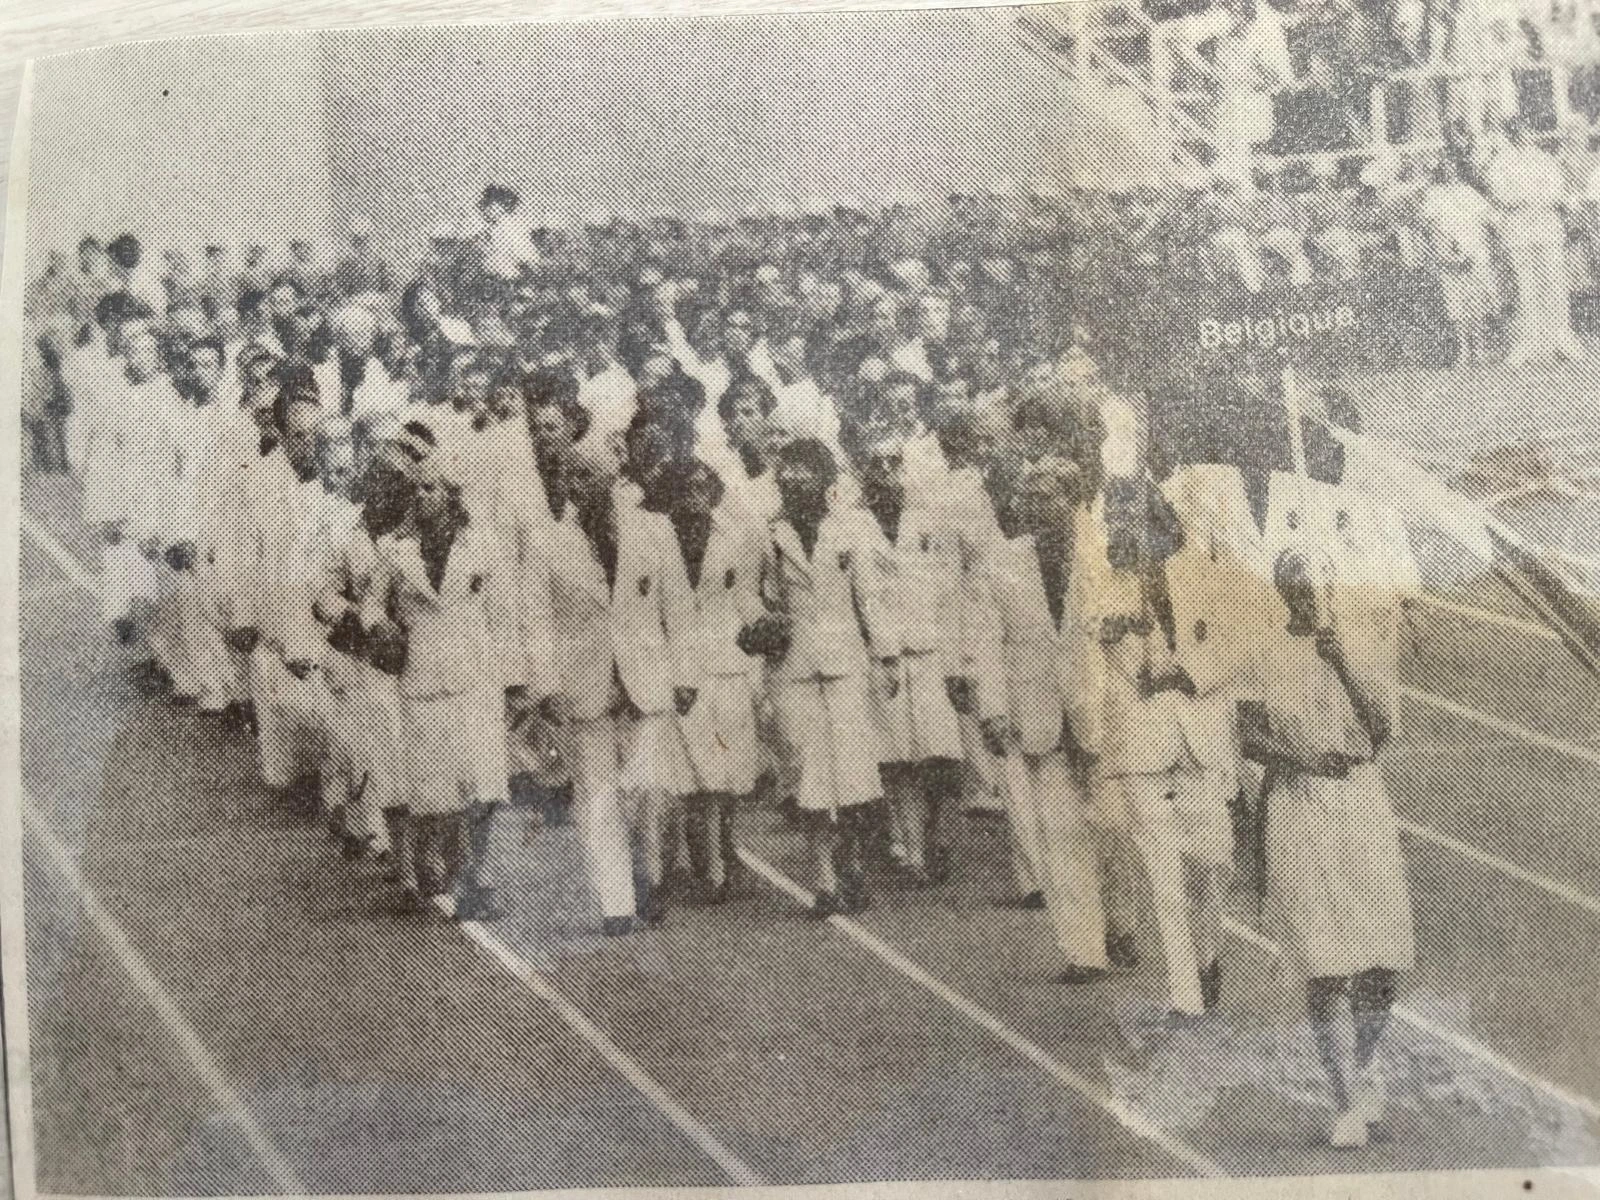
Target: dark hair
[(745, 382), (249, 302), (677, 427), (422, 431), (555, 388), (89, 241), (118, 307), (811, 454), (125, 251), (497, 194), (679, 392), (677, 477)]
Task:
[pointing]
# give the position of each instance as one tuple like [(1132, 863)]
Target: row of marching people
[(418, 609)]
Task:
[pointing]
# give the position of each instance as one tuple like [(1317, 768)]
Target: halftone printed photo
[(996, 601)]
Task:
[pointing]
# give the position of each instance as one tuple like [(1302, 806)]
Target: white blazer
[(836, 598), (448, 643), (652, 610)]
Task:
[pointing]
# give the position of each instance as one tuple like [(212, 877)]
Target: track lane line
[(1133, 1119), (738, 1171), (64, 558), (1450, 1037), (992, 1024), (1545, 741), (200, 1058)]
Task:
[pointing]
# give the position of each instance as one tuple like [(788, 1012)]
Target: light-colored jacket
[(652, 610), (726, 598), (836, 599), (448, 643), (583, 658), (1019, 665)]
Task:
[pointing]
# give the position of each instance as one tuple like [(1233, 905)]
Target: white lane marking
[(1488, 616), (1458, 1041), (736, 1169), (1494, 862), (64, 558), (1130, 1117), (1511, 729), (227, 1099)]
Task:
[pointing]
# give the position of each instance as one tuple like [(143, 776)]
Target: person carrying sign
[(1335, 880)]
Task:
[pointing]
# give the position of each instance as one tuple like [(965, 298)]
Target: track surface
[(220, 1004)]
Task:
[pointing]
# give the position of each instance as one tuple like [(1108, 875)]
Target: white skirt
[(917, 722), (829, 725), (655, 758), (454, 751), (720, 733), (1336, 885)]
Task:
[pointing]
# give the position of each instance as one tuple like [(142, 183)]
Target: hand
[(1181, 681), (1113, 630), (1141, 625), (996, 733), (683, 699), (300, 668), (1147, 684), (1329, 648), (1331, 765), (557, 709), (960, 691), (150, 547), (243, 640), (889, 673)]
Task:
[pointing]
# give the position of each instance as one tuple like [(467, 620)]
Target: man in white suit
[(1023, 698), (1154, 749)]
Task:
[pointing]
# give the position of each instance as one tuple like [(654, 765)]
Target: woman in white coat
[(830, 629), (721, 555), (1335, 878), (925, 566), (651, 607), (431, 595)]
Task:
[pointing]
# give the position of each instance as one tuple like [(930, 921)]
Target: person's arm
[(1370, 711)]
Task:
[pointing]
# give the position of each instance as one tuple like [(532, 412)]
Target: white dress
[(1336, 887)]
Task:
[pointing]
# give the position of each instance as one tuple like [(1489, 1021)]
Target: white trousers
[(1059, 851)]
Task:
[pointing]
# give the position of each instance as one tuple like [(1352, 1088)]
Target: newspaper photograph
[(954, 601)]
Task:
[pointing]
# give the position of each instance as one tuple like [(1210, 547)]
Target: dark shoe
[(1121, 951), (1211, 985), (853, 897), (177, 701), (616, 926), (1075, 975), (653, 912), (1183, 1020), (1031, 902), (825, 905), (479, 905), (355, 848)]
